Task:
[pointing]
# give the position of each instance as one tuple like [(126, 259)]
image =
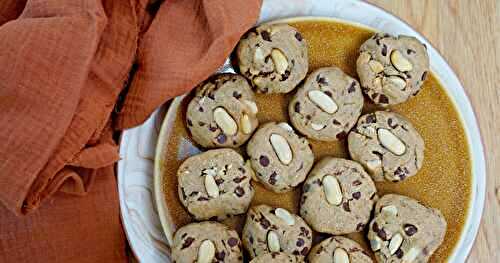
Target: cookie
[(206, 242), (222, 112), (278, 257), (327, 105), (273, 57), (404, 230), (269, 229), (338, 249), (215, 184), (337, 197), (392, 69), (280, 158), (387, 145)]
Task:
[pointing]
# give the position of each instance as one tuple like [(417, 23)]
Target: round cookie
[(278, 257), (392, 69), (280, 158), (206, 242), (215, 184), (270, 229), (327, 105), (273, 57), (337, 197), (387, 145), (222, 112), (338, 249), (404, 230)]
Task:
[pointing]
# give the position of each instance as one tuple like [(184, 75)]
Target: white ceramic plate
[(137, 149)]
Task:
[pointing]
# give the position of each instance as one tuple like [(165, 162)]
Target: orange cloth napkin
[(64, 66)]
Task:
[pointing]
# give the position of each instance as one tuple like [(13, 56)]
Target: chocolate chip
[(272, 178), (321, 81), (296, 252), (239, 179), (424, 76), (383, 99), (328, 93), (336, 122), (285, 75), (410, 229), (184, 235), (346, 207), (375, 227), (296, 107), (212, 129), (304, 231), (266, 36), (221, 138), (298, 36), (250, 239), (308, 117), (300, 242), (304, 251), (239, 191), (360, 227), (189, 122), (356, 195), (264, 161), (183, 193), (352, 88), (384, 50), (201, 123), (381, 233), (232, 241), (202, 198), (264, 222), (219, 181), (306, 188), (399, 253), (187, 242), (237, 95), (341, 135), (409, 51), (371, 118), (200, 109), (193, 193), (211, 96), (213, 218), (356, 182), (390, 123), (220, 255)]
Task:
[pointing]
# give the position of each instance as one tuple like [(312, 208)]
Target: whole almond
[(323, 101), (273, 241), (391, 142), (390, 209), (285, 215), (340, 256), (281, 148), (246, 124), (332, 190), (280, 61), (399, 61), (211, 186), (206, 252), (395, 243), (376, 66), (225, 121)]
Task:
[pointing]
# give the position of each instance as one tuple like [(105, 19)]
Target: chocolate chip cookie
[(222, 112), (327, 105), (387, 145), (273, 57), (337, 197), (269, 229), (404, 230), (338, 249), (278, 257), (280, 158), (206, 242), (215, 184), (392, 69)]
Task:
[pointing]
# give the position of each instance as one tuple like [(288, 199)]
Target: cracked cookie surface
[(337, 197), (280, 158), (273, 57), (392, 69), (387, 145), (404, 230), (338, 249), (222, 112), (269, 229), (206, 242), (215, 184), (327, 105)]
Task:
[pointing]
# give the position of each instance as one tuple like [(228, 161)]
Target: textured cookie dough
[(269, 229), (215, 184), (387, 145), (278, 257), (327, 105), (404, 230), (280, 158), (392, 69), (338, 249), (222, 112), (273, 57), (206, 242), (337, 197)]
